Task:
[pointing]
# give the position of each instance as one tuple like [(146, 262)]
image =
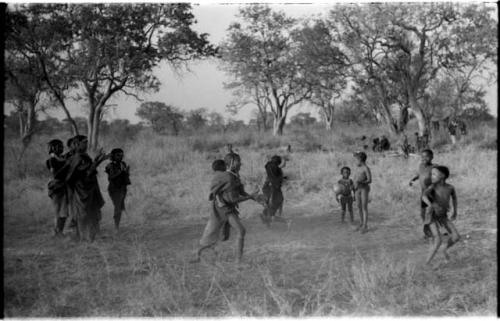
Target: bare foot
[(364, 230)]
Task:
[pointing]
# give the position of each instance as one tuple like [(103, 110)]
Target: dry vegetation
[(318, 267)]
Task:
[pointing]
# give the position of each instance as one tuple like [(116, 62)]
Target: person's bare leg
[(452, 240), (343, 206), (235, 222), (436, 243), (364, 202), (360, 208), (349, 208)]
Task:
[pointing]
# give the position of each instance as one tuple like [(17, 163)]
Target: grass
[(319, 267)]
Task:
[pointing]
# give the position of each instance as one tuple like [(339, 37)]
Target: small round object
[(339, 189)]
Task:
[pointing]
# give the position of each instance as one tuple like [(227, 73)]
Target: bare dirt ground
[(318, 266)]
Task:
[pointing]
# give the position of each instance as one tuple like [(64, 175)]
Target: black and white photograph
[(237, 159)]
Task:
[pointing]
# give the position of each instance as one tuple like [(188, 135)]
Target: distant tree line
[(391, 60)]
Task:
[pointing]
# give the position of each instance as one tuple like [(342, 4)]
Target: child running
[(226, 192), (437, 198), (119, 177), (424, 177), (56, 186), (362, 183), (345, 198)]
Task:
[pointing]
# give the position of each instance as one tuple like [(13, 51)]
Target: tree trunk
[(328, 116), (279, 123), (403, 119), (419, 113), (279, 120), (93, 130), (264, 121), (91, 124)]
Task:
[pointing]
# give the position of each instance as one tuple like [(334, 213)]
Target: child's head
[(117, 154), (360, 157), (55, 146), (69, 144), (439, 173), (276, 159), (345, 171), (219, 165), (80, 143), (427, 156), (233, 162)]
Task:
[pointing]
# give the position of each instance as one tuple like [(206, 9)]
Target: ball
[(339, 189)]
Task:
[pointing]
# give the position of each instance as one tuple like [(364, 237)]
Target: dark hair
[(276, 159), (219, 165), (115, 151), (345, 168), (444, 170), (230, 158), (69, 142), (428, 151), (361, 155), (53, 144)]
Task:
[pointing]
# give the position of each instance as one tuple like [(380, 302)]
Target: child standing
[(362, 183), (273, 195), (437, 198), (424, 178), (345, 198), (87, 199), (57, 187), (119, 177)]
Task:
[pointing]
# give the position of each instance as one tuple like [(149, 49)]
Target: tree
[(325, 66), (248, 95), (36, 34), (261, 56), (24, 88), (216, 121), (162, 118), (106, 49), (196, 119), (401, 49)]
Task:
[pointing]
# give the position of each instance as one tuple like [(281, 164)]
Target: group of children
[(74, 188), (227, 191), (75, 193)]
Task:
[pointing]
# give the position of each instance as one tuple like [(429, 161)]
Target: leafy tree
[(24, 88), (324, 64), (106, 49), (162, 118), (400, 49), (261, 56), (196, 119)]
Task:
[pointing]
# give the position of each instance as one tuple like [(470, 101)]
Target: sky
[(203, 85)]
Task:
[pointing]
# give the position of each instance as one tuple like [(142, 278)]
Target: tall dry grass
[(310, 273)]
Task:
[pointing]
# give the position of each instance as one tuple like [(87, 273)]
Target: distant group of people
[(74, 188)]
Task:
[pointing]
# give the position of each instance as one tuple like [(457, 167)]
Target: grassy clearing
[(318, 267)]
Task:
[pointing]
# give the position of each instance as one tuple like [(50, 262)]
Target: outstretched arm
[(414, 179)]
